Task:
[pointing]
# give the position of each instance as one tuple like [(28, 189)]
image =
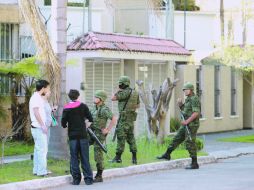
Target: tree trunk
[(58, 147), (244, 24), (162, 127), (222, 21), (157, 111)]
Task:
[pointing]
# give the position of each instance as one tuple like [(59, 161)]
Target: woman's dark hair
[(73, 94), (41, 84)]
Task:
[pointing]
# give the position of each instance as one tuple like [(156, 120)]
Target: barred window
[(199, 88), (8, 42), (233, 92), (217, 91)]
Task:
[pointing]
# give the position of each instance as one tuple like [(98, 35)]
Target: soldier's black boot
[(194, 163), (165, 156), (117, 158), (98, 178), (134, 158)]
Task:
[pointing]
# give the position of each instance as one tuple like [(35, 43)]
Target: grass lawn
[(16, 148), (243, 139), (147, 152)]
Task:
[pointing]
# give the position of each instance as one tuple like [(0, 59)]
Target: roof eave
[(128, 55)]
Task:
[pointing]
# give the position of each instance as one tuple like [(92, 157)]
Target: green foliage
[(147, 152), (70, 4), (238, 57), (26, 67), (175, 124), (242, 139), (76, 4), (18, 73), (47, 2), (199, 143), (17, 148), (190, 5)]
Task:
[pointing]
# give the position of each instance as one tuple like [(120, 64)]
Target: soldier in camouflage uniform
[(128, 102), (191, 111), (101, 114)]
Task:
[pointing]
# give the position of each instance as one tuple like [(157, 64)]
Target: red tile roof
[(122, 42)]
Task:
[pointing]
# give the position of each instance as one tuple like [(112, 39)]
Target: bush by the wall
[(199, 143)]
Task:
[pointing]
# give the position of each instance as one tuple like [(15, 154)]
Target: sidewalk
[(19, 158), (215, 149)]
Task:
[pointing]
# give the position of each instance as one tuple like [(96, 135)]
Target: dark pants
[(79, 150), (182, 136)]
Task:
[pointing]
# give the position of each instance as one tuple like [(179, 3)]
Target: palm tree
[(58, 140), (53, 61)]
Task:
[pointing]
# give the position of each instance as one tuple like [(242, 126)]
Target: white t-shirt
[(36, 101), (48, 111)]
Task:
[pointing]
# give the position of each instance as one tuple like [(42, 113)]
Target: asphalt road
[(229, 174)]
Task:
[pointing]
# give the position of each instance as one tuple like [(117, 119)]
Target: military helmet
[(124, 80), (188, 86), (101, 94)]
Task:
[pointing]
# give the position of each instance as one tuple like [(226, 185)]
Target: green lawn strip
[(16, 148), (243, 139), (147, 152)]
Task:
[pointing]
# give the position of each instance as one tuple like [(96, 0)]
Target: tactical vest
[(129, 114), (132, 102), (99, 121)]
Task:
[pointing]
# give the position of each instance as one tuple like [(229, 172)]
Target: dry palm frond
[(51, 65), (155, 4)]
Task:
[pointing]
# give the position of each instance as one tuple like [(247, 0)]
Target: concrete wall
[(132, 16), (102, 21), (248, 101), (209, 123), (9, 13)]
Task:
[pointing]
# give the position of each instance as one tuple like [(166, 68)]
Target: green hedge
[(69, 4)]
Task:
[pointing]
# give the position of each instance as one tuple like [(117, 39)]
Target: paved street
[(211, 143), (230, 174)]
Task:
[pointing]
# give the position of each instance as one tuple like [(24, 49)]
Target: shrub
[(199, 143), (175, 124)]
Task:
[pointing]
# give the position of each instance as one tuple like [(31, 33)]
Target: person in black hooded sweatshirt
[(74, 115)]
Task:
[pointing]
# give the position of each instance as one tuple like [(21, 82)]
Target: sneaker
[(89, 182)]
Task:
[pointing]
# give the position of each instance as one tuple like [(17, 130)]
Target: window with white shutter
[(102, 75)]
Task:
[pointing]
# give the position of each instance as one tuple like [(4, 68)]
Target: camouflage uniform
[(125, 129), (101, 114), (128, 101), (190, 106)]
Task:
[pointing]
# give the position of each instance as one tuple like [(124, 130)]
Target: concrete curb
[(131, 170), (108, 174)]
